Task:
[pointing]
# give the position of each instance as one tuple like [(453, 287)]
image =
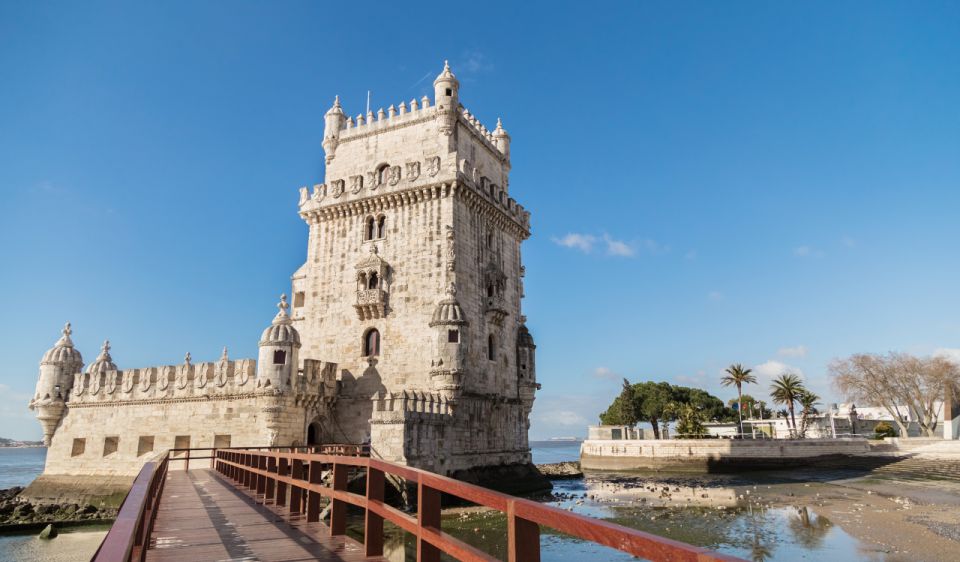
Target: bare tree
[(900, 383)]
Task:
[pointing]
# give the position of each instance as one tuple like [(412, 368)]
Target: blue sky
[(758, 182)]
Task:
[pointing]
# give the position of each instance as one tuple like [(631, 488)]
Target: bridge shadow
[(232, 519)]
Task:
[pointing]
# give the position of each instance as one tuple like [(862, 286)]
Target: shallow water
[(19, 466), (71, 545)]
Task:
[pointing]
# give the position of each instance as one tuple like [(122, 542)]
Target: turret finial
[(452, 289), (187, 358), (223, 356), (105, 349), (282, 317), (67, 330)]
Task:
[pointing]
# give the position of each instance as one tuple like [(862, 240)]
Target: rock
[(48, 532), (560, 470)]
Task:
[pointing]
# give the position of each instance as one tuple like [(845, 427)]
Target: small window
[(181, 442), (453, 336), (382, 227), (490, 240), (449, 92), (491, 348), (110, 445), (279, 357), (382, 175), (221, 441), (79, 446), (145, 445), (374, 281), (371, 229), (490, 290), (371, 343), (298, 299)]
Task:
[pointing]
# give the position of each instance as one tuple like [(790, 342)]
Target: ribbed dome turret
[(524, 339), (103, 362), (281, 332), (448, 310), (63, 351), (446, 76)]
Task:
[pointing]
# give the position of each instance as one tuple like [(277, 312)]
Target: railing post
[(428, 516), (373, 522), (338, 508), (186, 462), (296, 492), (313, 498), (271, 480), (282, 470), (213, 458), (523, 537), (261, 478)]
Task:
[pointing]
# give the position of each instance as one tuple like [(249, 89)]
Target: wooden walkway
[(202, 517)]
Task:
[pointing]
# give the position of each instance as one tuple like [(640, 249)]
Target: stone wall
[(713, 454)]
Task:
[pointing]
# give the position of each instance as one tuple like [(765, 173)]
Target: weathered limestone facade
[(405, 329)]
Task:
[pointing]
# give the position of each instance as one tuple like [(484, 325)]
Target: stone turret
[(502, 140), (57, 370), (333, 121), (449, 324), (526, 364), (447, 98), (279, 351)]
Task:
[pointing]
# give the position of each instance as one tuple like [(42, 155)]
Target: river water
[(701, 510)]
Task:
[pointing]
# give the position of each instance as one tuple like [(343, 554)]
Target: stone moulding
[(518, 224)]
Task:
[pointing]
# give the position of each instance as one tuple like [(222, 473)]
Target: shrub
[(883, 429)]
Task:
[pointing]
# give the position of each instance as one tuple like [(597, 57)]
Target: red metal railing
[(294, 480)]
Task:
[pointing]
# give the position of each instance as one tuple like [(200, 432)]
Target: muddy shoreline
[(18, 515)]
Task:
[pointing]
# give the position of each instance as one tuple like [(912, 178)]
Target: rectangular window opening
[(145, 445), (79, 446), (298, 299), (279, 357), (181, 442), (453, 336), (110, 445), (221, 441)]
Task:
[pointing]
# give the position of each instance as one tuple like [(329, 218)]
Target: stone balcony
[(371, 303), (495, 308)]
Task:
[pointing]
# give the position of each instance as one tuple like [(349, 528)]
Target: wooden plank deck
[(202, 517)]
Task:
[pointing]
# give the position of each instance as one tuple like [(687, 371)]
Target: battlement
[(208, 379), (381, 120), (396, 407)]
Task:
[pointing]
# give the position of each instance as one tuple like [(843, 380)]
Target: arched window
[(381, 227), (491, 347), (370, 231), (371, 343), (374, 281), (490, 290)]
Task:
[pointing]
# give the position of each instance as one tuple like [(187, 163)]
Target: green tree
[(689, 420), (752, 407), (738, 376), (651, 402), (808, 402), (786, 389)]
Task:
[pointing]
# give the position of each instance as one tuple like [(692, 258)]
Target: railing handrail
[(129, 535), (269, 472)]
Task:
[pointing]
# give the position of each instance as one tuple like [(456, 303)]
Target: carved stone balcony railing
[(371, 303), (496, 308)]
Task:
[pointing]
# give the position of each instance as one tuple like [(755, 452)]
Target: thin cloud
[(618, 247), (796, 351), (606, 374), (769, 370), (582, 242), (807, 252), (715, 296)]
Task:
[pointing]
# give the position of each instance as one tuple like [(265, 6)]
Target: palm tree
[(787, 389), (808, 401), (738, 376)]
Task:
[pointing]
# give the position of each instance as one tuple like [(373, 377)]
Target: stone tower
[(413, 285)]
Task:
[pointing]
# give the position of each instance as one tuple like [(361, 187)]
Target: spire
[(223, 356), (104, 351), (336, 109), (282, 317), (187, 359), (499, 131), (446, 75), (65, 338)]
